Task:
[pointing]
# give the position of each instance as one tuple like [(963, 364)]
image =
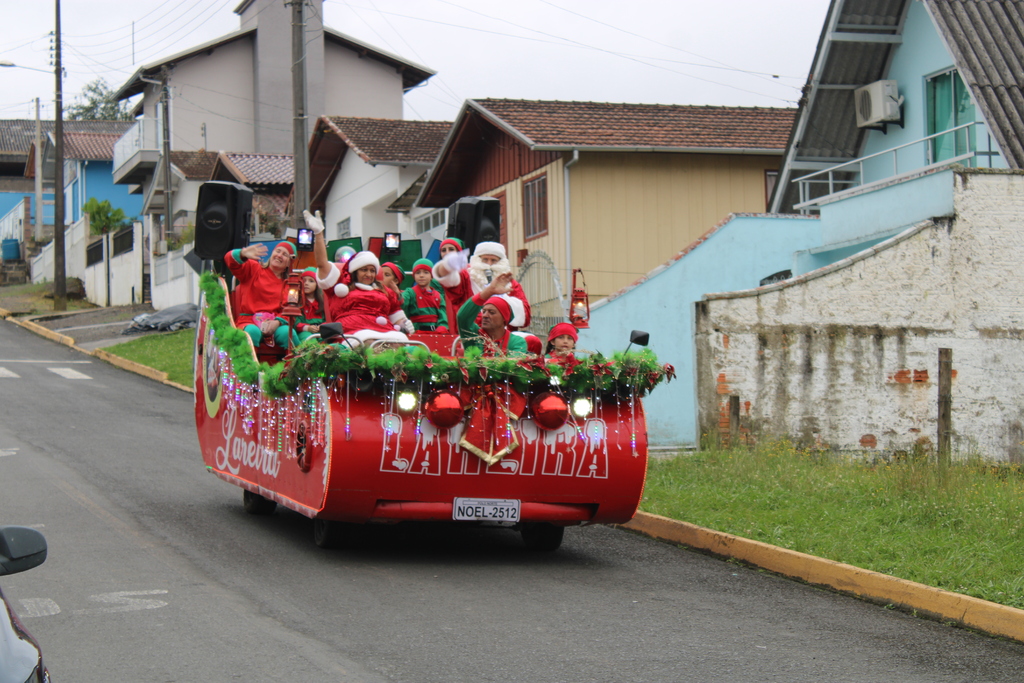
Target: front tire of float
[(542, 536), (255, 504)]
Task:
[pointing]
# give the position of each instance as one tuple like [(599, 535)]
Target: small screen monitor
[(392, 243)]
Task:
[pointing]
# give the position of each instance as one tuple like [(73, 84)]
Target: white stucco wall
[(846, 357), (358, 186)]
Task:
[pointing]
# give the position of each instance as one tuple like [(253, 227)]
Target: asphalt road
[(156, 574)]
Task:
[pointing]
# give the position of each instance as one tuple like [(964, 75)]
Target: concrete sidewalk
[(946, 606)]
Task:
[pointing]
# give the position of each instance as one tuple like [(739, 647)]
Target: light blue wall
[(868, 218), (922, 54), (95, 179), (736, 256)]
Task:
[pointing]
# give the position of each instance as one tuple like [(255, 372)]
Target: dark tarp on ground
[(169, 319)]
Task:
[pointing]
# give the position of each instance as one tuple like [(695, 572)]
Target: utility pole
[(60, 286), (945, 421), (38, 233), (300, 149), (165, 113)]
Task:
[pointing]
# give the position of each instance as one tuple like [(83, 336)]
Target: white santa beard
[(478, 272)]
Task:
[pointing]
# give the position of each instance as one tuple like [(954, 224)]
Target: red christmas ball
[(550, 411), (443, 409)]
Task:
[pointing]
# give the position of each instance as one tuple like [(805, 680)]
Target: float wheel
[(332, 535), (255, 504), (542, 536)]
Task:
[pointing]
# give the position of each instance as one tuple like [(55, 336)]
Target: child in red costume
[(423, 304)]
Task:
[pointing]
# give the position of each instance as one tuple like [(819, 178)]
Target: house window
[(535, 207), (431, 221), (344, 228), (770, 178), (949, 105)]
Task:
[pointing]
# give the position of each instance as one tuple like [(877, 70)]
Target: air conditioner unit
[(876, 103)]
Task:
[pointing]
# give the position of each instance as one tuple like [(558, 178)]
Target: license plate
[(486, 509)]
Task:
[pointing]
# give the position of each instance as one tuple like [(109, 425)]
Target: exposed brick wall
[(848, 358)]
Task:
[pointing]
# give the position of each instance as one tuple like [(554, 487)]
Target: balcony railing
[(956, 145), (146, 134)]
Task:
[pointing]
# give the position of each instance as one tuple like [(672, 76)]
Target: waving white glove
[(407, 325), (314, 223), (456, 260)]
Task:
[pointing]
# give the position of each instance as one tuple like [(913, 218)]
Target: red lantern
[(444, 409), (550, 411), (579, 306), (294, 296)]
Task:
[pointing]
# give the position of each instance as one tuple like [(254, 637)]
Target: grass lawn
[(959, 530), (31, 299), (170, 352)]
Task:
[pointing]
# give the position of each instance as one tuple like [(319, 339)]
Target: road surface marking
[(38, 607), (4, 372), (122, 601), (8, 451), (51, 362), (68, 373)]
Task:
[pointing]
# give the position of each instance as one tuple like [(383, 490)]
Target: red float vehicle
[(352, 437)]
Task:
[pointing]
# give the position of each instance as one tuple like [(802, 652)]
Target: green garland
[(625, 374)]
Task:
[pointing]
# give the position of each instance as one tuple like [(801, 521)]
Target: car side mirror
[(21, 549), (329, 331)]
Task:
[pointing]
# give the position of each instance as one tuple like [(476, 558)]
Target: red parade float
[(424, 432)]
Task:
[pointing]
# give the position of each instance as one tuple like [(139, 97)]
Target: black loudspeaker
[(223, 215), (474, 220)]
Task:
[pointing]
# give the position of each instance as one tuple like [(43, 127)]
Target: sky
[(700, 52)]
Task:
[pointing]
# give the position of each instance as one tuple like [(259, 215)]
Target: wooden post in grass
[(734, 421), (945, 426)]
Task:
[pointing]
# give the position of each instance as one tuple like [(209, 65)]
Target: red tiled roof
[(195, 165), (260, 169), (392, 140), (665, 126), (17, 135), (93, 146)]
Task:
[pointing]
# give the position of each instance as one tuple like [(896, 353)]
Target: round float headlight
[(407, 401), (582, 407)]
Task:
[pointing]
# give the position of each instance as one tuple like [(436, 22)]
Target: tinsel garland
[(624, 374)]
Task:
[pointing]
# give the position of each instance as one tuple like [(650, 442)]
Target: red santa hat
[(533, 344), (452, 242), (501, 303), (399, 274), (363, 259), (516, 310), (564, 328), (289, 246)]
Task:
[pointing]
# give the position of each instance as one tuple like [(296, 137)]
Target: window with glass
[(344, 228), (949, 105), (431, 220), (535, 207)]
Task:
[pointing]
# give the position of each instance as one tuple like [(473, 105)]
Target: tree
[(103, 217), (96, 103)]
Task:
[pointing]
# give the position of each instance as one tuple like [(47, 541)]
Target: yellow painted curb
[(44, 332), (4, 313), (130, 365), (975, 613)]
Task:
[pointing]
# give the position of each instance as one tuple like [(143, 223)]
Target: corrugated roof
[(391, 141), (260, 169), (569, 125), (17, 135), (194, 165), (986, 39)]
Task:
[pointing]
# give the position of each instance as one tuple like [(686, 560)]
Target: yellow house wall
[(632, 212), (553, 243)]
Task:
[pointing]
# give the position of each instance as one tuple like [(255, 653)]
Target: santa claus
[(461, 281)]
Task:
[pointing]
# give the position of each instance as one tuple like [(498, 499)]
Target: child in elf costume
[(424, 303), (313, 314)]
